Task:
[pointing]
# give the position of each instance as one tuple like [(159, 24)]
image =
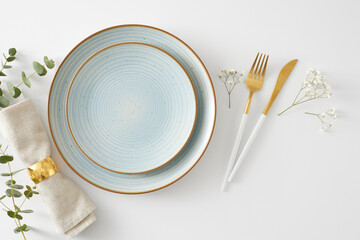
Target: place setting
[(131, 110)]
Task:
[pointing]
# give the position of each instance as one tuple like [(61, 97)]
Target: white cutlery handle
[(234, 150), (247, 147)]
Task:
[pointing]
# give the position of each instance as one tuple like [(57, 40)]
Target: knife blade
[(283, 76)]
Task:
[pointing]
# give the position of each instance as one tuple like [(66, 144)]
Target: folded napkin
[(68, 205)]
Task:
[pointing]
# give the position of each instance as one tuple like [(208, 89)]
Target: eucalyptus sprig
[(10, 58), (14, 194), (14, 91)]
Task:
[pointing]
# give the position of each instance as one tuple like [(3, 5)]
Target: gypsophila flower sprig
[(13, 193), (313, 87), (326, 118), (230, 78)]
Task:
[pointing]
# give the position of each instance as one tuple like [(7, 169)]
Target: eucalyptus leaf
[(18, 216), (39, 69), (25, 80), (1, 92), (7, 66), (26, 211), (16, 186), (12, 51), (4, 102), (21, 228), (10, 182), (5, 174), (11, 214), (8, 192), (49, 62), (28, 228), (10, 59), (6, 158), (17, 171), (12, 192), (35, 192), (28, 194), (17, 194), (11, 88), (17, 92), (2, 74), (16, 207), (2, 197)]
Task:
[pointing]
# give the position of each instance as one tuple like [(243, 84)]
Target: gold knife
[(283, 76)]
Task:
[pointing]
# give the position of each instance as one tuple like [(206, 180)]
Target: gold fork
[(254, 82), (255, 79)]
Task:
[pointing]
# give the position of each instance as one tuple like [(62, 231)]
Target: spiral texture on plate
[(131, 108), (183, 162)]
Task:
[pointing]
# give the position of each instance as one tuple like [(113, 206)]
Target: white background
[(298, 183)]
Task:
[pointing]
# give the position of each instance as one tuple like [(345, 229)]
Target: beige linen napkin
[(68, 205)]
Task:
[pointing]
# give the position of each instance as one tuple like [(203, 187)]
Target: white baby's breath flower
[(231, 71), (325, 118), (231, 77), (309, 71), (327, 86), (314, 86)]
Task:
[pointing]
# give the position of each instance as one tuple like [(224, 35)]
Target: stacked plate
[(131, 109)]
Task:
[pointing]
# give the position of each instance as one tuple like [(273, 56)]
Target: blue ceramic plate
[(194, 148), (131, 108)]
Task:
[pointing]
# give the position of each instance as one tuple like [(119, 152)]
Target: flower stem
[(5, 206), (22, 232), (26, 197), (20, 84), (292, 105), (18, 223), (2, 68), (229, 100), (12, 190), (297, 95)]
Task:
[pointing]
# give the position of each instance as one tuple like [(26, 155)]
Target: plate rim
[(194, 96), (176, 38)]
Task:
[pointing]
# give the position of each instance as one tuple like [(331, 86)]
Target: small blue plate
[(131, 108)]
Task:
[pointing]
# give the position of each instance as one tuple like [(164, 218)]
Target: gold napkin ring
[(42, 170)]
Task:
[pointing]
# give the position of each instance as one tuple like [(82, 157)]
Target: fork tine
[(256, 72), (252, 67), (260, 69), (264, 70)]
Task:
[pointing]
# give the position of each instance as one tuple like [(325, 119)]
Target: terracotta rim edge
[(207, 73)]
